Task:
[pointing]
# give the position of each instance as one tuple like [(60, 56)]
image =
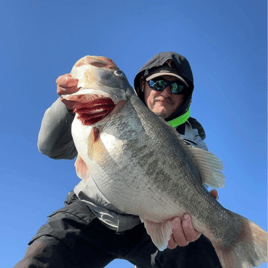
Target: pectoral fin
[(159, 232), (81, 169), (96, 149)]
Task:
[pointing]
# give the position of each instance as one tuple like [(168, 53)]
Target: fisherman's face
[(162, 103)]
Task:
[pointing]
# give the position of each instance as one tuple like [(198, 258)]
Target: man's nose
[(166, 92)]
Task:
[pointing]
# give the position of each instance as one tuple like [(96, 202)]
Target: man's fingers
[(171, 243), (214, 193), (177, 233), (190, 233)]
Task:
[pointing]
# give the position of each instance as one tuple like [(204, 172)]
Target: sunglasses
[(160, 84)]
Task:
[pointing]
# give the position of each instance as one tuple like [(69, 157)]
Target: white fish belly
[(122, 173)]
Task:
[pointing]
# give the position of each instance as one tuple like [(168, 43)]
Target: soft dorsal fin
[(209, 166)]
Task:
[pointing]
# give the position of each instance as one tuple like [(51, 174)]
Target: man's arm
[(55, 139)]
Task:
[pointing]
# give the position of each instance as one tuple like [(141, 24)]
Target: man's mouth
[(164, 101)]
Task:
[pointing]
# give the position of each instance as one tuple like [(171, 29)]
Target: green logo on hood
[(180, 120)]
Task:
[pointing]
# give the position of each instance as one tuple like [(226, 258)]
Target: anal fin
[(159, 232)]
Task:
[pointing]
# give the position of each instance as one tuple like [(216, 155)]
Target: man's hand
[(183, 231), (66, 84)]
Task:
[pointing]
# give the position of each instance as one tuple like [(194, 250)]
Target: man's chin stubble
[(161, 114)]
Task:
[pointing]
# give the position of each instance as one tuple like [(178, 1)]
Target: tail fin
[(249, 250)]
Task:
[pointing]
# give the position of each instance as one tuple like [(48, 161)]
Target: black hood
[(184, 70)]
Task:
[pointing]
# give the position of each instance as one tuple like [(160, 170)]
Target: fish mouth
[(90, 109)]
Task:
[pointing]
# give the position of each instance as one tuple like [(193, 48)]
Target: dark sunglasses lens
[(177, 88), (158, 85)]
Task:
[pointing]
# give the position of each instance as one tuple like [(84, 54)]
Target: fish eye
[(118, 73)]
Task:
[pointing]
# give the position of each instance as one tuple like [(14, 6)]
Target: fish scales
[(142, 166), (161, 172)]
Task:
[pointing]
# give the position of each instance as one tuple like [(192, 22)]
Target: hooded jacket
[(184, 70)]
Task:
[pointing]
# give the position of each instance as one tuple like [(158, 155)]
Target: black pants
[(74, 238)]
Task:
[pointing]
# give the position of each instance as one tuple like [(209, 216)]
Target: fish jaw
[(86, 95), (94, 78), (102, 86)]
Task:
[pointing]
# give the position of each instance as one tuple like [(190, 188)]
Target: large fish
[(143, 167)]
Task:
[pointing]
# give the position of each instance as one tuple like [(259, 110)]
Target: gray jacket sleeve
[(55, 139), (192, 137)]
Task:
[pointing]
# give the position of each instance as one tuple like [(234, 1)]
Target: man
[(93, 233)]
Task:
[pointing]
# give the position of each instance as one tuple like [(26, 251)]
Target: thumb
[(66, 84)]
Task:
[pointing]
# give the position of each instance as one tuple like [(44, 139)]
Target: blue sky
[(225, 43)]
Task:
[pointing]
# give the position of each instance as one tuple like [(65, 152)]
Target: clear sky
[(225, 43)]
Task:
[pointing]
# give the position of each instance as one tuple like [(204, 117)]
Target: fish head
[(96, 73), (102, 87)]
